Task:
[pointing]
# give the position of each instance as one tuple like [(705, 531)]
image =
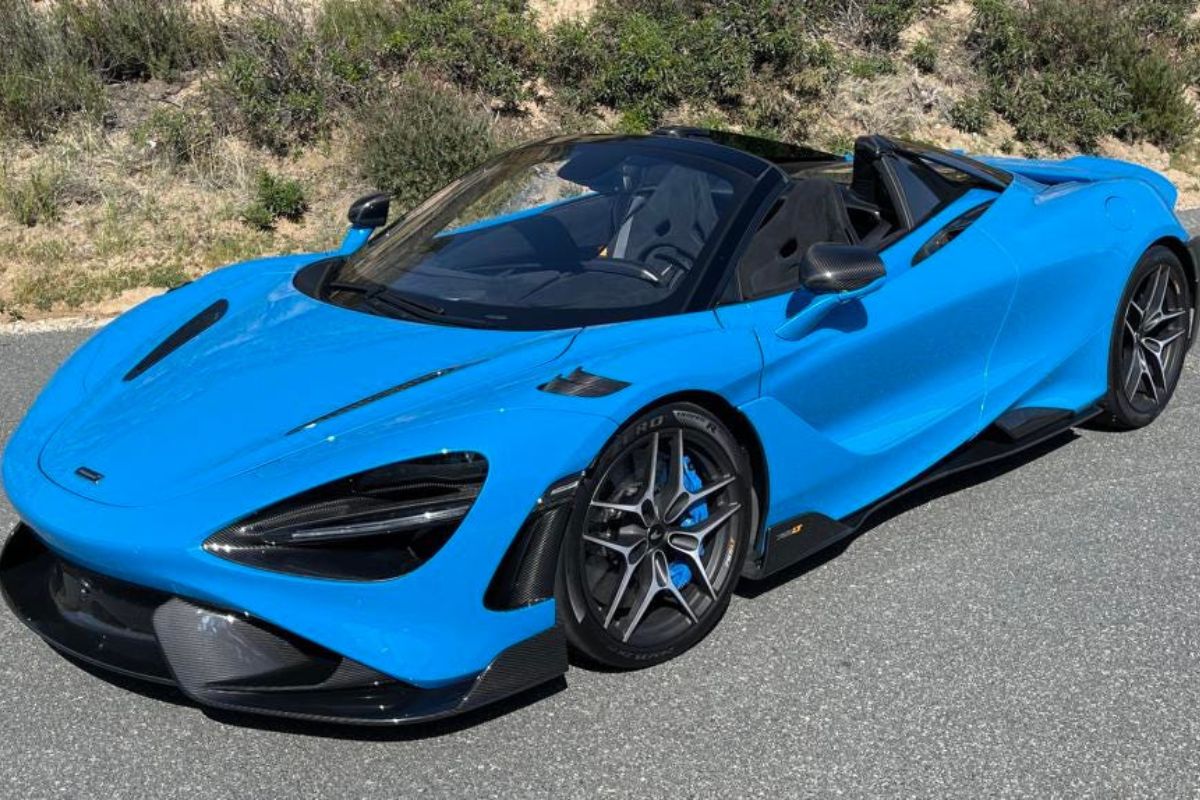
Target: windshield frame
[(743, 173)]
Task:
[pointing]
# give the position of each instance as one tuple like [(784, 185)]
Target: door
[(888, 384)]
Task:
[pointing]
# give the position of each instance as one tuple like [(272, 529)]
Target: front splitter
[(228, 659)]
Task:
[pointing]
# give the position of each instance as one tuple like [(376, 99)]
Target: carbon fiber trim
[(188, 331), (526, 573), (793, 540), (583, 384), (94, 618), (230, 660), (536, 660), (375, 398), (831, 268)]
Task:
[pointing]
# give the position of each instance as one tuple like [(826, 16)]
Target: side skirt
[(796, 539)]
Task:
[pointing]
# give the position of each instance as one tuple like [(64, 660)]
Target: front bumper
[(231, 660)]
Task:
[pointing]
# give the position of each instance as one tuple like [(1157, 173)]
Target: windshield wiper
[(408, 303), (378, 295)]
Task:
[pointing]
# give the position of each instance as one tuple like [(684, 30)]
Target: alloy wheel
[(1154, 340), (660, 535)]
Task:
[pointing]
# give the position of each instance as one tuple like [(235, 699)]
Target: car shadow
[(949, 485)]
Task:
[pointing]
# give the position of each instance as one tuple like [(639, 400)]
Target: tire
[(647, 570), (1150, 338)]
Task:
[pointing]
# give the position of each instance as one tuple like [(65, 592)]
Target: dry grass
[(127, 221), (134, 222)]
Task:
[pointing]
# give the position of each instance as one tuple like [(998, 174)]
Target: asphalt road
[(1032, 630)]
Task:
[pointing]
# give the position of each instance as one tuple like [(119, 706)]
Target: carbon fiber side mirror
[(832, 268)]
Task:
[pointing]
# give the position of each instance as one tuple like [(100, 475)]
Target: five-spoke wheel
[(657, 540), (1150, 340)]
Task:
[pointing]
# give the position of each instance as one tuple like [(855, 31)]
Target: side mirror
[(370, 212), (836, 274), (829, 268)]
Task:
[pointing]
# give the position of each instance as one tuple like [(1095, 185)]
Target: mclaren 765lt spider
[(567, 403)]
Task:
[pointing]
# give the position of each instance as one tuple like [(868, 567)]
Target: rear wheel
[(1149, 341), (657, 539)]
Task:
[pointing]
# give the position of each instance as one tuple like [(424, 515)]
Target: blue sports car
[(565, 405)]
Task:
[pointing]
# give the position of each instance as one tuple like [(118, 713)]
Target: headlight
[(371, 526)]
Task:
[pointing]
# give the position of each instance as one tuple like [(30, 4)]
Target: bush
[(924, 57), (883, 20), (644, 58), (1068, 72), (871, 66), (137, 39), (36, 199), (418, 136), (41, 84), (492, 46), (275, 198), (355, 34), (178, 136), (971, 115), (275, 86)]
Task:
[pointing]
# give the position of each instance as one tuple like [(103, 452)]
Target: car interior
[(871, 201)]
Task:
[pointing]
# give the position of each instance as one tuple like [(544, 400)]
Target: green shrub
[(275, 86), (492, 46), (275, 198), (355, 34), (924, 57), (647, 57), (871, 66), (418, 136), (41, 84), (1161, 112), (1068, 72), (883, 20), (35, 199), (178, 136), (137, 39), (971, 115)]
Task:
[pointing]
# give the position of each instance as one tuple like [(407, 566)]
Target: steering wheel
[(674, 257), (620, 266)]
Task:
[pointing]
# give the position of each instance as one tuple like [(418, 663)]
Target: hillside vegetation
[(143, 142)]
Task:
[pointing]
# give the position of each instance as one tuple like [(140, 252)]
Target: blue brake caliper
[(681, 574)]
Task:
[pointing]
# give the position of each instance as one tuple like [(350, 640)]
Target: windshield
[(551, 235)]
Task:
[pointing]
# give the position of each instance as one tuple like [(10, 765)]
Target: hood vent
[(190, 330), (375, 398)]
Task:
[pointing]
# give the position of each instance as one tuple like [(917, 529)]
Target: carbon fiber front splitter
[(232, 661)]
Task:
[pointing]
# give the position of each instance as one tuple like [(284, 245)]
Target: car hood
[(230, 399)]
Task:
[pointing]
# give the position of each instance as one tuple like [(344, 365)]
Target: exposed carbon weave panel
[(231, 660), (820, 273), (366, 401), (538, 659), (91, 617), (526, 573), (188, 331), (583, 384)]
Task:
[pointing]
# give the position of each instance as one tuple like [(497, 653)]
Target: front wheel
[(1150, 339), (657, 539)]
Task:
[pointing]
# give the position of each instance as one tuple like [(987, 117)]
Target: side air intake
[(190, 330)]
